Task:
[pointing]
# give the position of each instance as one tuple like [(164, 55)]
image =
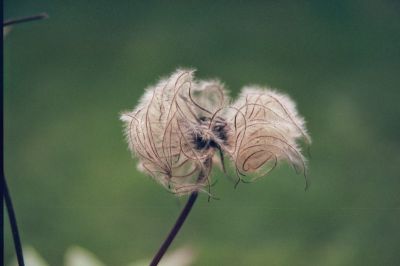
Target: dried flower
[(180, 124)]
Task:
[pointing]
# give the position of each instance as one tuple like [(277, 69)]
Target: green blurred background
[(73, 180)]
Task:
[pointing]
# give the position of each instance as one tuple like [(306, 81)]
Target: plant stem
[(174, 231), (25, 19), (13, 224)]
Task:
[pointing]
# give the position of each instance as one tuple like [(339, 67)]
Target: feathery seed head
[(180, 123)]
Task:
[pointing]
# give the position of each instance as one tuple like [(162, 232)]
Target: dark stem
[(13, 224), (221, 156), (174, 231), (25, 19)]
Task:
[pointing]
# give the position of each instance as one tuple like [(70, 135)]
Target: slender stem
[(25, 19), (174, 231), (13, 224)]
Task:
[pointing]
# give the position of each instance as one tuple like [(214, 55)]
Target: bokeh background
[(73, 181)]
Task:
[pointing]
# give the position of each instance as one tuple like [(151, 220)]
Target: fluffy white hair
[(180, 123)]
